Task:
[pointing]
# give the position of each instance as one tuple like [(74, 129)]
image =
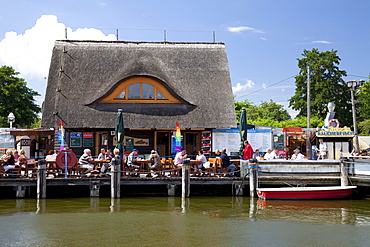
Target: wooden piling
[(253, 177), (41, 179), (116, 181), (344, 167), (185, 178)]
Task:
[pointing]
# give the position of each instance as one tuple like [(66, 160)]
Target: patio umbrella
[(243, 125), (120, 131)]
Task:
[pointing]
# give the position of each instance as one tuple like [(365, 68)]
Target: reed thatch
[(82, 72)]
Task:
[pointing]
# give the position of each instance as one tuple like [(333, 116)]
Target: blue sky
[(263, 38)]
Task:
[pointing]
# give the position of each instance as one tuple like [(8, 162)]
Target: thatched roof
[(82, 72)]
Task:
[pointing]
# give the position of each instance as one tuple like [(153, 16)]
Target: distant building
[(156, 84)]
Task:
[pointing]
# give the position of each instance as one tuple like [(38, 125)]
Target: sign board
[(88, 139), (230, 139), (129, 144), (336, 132), (75, 139)]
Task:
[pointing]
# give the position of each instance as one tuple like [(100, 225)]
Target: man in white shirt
[(269, 155), (322, 149), (297, 155)]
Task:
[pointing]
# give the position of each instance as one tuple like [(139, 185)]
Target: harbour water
[(173, 221)]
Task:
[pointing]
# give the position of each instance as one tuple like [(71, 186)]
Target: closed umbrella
[(120, 131), (243, 125)]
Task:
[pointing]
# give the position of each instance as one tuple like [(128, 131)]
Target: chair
[(211, 171), (224, 171), (174, 171), (126, 170), (15, 172)]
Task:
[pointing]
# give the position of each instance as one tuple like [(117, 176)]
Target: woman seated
[(22, 158), (9, 160), (51, 156), (16, 156)]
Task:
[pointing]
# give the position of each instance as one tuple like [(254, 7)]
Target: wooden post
[(94, 188), (171, 189), (343, 173), (41, 179), (116, 179), (253, 177), (185, 178)]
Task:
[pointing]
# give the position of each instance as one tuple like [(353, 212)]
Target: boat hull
[(306, 193)]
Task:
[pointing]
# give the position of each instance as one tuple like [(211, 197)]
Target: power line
[(256, 91), (359, 76)]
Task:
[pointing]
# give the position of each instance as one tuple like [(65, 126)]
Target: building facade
[(156, 84)]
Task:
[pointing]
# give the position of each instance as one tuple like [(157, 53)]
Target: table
[(99, 163), (144, 167)]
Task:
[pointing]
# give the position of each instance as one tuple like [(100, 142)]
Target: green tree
[(326, 85), (272, 110), (267, 113), (244, 103), (364, 128), (363, 99), (16, 97)]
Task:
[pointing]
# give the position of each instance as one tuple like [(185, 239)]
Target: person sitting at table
[(257, 154), (51, 156), (297, 155), (102, 155), (132, 158), (109, 154), (156, 162), (106, 166), (268, 155), (22, 157), (16, 156), (202, 159), (9, 160), (85, 159), (180, 156), (226, 162)]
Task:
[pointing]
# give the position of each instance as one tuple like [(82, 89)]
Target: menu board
[(88, 139), (230, 139), (75, 139)]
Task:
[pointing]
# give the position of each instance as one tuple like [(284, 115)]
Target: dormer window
[(140, 90)]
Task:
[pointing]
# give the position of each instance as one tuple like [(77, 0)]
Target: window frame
[(114, 96)]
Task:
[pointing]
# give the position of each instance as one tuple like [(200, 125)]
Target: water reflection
[(174, 221), (331, 212)]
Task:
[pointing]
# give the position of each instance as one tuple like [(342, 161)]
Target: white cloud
[(239, 87), (321, 42), (264, 86), (263, 38), (30, 52), (243, 28)]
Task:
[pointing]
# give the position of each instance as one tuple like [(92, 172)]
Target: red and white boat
[(306, 193)]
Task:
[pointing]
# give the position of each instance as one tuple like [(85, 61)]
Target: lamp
[(11, 119), (353, 85)]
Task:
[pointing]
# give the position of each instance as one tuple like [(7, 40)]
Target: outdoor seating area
[(168, 169)]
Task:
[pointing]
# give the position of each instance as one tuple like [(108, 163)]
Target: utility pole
[(353, 85), (308, 132), (308, 98)]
